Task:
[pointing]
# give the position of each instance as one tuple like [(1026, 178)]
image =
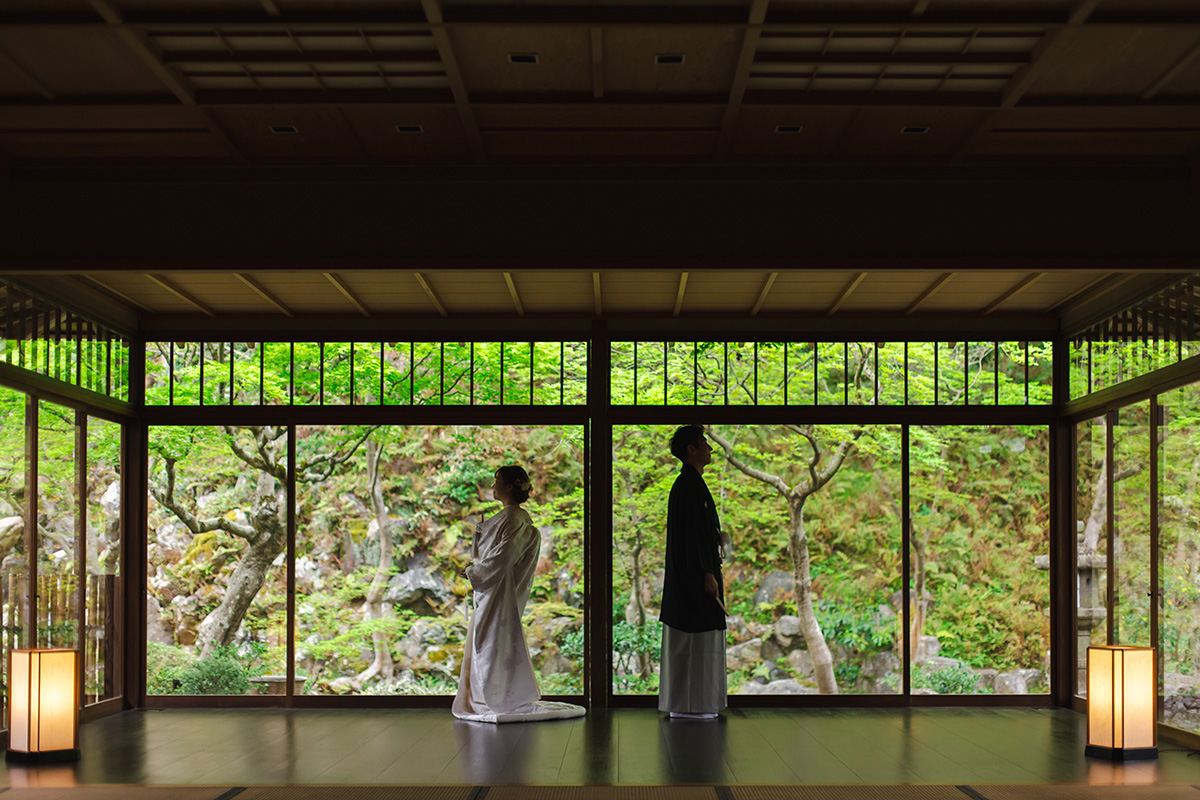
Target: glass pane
[(979, 559), (186, 373), (851, 533), (952, 379), (398, 378), (743, 373), (1179, 551), (367, 388), (576, 372), (982, 367), (801, 381), (386, 615), (681, 376), (216, 373), (516, 373), (277, 373), (831, 373), (158, 355), (246, 367), (862, 373), (13, 595), (104, 590), (338, 373), (891, 373), (1091, 526), (920, 361), (217, 584), (57, 566), (1041, 373), (770, 373), (487, 373), (457, 376), (306, 373), (651, 385), (1131, 526), (710, 373)]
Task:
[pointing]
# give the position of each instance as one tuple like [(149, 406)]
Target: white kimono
[(497, 683)]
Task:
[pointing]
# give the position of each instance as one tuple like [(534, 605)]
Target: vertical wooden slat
[(1110, 591), (1155, 548), (291, 565), (598, 562), (905, 555), (31, 515), (81, 515)]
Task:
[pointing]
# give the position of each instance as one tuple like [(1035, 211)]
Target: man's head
[(689, 446)]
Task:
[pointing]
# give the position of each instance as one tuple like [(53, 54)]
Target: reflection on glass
[(979, 558), (216, 588), (57, 567), (1091, 559), (104, 588), (1179, 553), (384, 526), (842, 634), (13, 497), (1131, 526)]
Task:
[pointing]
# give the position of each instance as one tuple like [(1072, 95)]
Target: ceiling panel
[(441, 131), (321, 132), (1113, 60), (79, 60), (709, 59), (563, 144), (624, 291), (820, 133), (880, 131), (563, 58)]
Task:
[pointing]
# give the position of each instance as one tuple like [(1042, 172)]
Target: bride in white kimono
[(497, 683)]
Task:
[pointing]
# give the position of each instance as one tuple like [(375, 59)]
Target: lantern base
[(1121, 753), (44, 757)]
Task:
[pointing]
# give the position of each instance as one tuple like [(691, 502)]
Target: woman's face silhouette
[(501, 489)]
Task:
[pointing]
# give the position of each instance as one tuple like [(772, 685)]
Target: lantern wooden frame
[(1122, 703), (43, 705)]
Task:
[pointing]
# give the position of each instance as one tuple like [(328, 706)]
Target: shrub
[(220, 674), (164, 666), (955, 679)]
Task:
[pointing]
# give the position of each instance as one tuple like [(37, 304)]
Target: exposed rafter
[(762, 295), (596, 294), (433, 298), (845, 293), (337, 281), (13, 66), (180, 293), (458, 88), (257, 288), (104, 286), (1164, 80), (512, 292), (758, 13), (933, 289), (1022, 285), (683, 279)]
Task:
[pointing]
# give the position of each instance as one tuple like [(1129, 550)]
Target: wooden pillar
[(134, 452), (1063, 550), (598, 549)]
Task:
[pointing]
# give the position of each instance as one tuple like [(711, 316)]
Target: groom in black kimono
[(692, 678)]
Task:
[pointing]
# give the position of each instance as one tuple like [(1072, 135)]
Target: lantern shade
[(1122, 690), (43, 705)]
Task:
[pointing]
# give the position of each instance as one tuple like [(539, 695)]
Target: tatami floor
[(624, 746)]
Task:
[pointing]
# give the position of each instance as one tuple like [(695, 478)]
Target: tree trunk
[(221, 625), (382, 667), (810, 629)]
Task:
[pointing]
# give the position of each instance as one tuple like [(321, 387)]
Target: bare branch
[(322, 466), (263, 460), (774, 481), (166, 498)]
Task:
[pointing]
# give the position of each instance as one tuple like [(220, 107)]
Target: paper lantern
[(43, 705), (1122, 689)]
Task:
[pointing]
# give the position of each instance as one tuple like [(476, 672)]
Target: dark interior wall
[(999, 216)]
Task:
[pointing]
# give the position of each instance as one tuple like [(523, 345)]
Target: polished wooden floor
[(625, 746)]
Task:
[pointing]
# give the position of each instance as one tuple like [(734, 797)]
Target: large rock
[(987, 678), (787, 628), (938, 663), (800, 663), (157, 630), (1034, 678), (786, 686), (738, 629), (743, 655), (927, 649), (1009, 683), (419, 590), (881, 665), (774, 588), (770, 651)]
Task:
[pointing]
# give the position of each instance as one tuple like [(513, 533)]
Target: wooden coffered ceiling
[(204, 82)]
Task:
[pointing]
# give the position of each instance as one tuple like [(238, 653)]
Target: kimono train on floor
[(497, 682)]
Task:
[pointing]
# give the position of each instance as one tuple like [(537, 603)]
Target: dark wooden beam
[(937, 59), (596, 294), (737, 93), (1021, 286), (180, 293), (762, 295), (929, 292), (458, 88), (341, 286), (433, 298), (845, 293), (303, 57), (1164, 80), (512, 292), (597, 62), (257, 288), (683, 279)]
